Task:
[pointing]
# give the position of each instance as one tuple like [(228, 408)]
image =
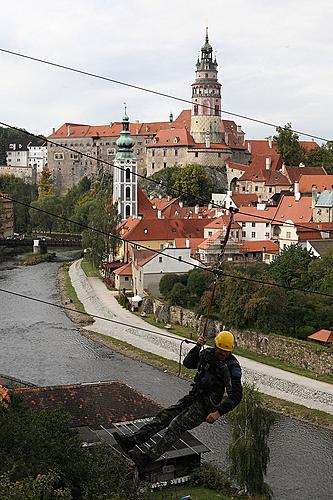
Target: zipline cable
[(151, 91)]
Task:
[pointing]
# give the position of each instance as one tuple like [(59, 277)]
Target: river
[(39, 344)]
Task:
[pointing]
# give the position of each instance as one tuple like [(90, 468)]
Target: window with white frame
[(111, 151), (58, 156)]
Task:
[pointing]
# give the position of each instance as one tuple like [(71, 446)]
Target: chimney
[(249, 147), (159, 214), (207, 140), (268, 162), (270, 141), (314, 196), (53, 130), (171, 118), (296, 191), (196, 209), (68, 130)]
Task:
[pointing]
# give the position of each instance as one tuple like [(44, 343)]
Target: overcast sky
[(275, 60)]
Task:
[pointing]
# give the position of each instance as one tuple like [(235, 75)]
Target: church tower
[(125, 190), (206, 98)]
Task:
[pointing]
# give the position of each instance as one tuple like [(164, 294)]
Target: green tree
[(40, 450), (103, 215), (321, 157), (167, 282), (46, 185), (43, 221), (248, 453), (178, 295), (290, 268), (194, 184), (198, 281), (19, 190), (288, 146), (166, 177)]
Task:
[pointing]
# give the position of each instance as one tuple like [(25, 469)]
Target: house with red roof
[(148, 267)]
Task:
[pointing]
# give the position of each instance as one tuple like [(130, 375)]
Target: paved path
[(98, 300)]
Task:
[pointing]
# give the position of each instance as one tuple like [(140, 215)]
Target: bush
[(178, 295), (209, 476), (167, 282)]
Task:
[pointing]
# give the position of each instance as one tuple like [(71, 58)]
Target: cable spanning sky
[(274, 60)]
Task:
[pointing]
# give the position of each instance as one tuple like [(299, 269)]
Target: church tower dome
[(206, 98), (125, 188)]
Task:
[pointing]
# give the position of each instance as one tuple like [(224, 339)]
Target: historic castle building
[(196, 136)]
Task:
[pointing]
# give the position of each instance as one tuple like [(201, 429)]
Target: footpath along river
[(40, 344)]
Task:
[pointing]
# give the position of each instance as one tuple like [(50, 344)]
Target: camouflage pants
[(186, 414)]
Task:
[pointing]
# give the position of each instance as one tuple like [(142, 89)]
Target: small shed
[(323, 336)]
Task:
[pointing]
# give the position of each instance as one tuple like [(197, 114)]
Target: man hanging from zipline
[(216, 390)]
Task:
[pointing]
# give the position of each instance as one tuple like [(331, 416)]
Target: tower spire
[(207, 41)]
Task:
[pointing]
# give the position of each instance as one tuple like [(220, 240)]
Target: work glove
[(201, 340)]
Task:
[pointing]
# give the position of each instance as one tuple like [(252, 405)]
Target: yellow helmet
[(225, 340)]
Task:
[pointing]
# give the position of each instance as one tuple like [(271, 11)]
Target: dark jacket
[(214, 378)]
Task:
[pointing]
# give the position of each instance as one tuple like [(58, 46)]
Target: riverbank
[(288, 408)]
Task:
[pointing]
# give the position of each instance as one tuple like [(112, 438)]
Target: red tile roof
[(265, 246), (162, 229), (236, 166), (145, 207), (252, 214), (221, 223), (94, 404), (257, 171), (322, 336), (261, 147), (298, 211), (125, 270), (175, 138), (294, 173), (244, 199), (142, 256), (162, 203), (321, 182), (194, 243)]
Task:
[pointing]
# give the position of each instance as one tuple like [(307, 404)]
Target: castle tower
[(206, 98), (125, 191)]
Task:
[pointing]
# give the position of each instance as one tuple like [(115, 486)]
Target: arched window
[(217, 109), (128, 193), (195, 109), (128, 175), (127, 211)]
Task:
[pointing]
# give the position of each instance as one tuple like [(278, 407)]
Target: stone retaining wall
[(296, 352)]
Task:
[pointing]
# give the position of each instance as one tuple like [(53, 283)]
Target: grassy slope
[(261, 358)]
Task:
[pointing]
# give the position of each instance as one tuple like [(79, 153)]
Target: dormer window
[(145, 231), (176, 140)]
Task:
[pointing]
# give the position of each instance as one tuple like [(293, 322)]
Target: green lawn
[(196, 493), (89, 269), (71, 293)]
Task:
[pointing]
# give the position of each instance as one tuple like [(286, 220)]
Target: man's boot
[(139, 458), (126, 442)]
